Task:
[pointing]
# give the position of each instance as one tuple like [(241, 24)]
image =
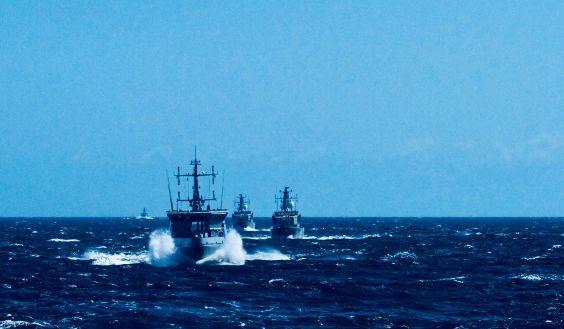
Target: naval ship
[(242, 217), (144, 215), (286, 220), (196, 228)]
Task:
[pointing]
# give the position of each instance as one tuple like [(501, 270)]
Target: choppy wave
[(106, 259), (402, 256), (267, 255), (539, 277), (457, 279), (534, 257), (342, 237), (277, 282), (250, 229), (233, 253), (339, 260), (63, 240), (5, 324)]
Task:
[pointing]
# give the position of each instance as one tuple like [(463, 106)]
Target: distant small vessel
[(144, 215), (198, 230), (286, 220), (242, 217)]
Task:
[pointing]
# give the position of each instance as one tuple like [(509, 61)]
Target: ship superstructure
[(196, 228), (144, 215), (286, 220), (242, 217)]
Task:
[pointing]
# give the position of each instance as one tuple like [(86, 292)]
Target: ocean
[(347, 272)]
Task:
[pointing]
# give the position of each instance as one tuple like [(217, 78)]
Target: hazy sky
[(365, 108)]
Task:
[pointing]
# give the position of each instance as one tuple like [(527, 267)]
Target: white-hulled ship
[(242, 217), (286, 220), (197, 229)]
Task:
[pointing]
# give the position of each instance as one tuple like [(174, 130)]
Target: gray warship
[(242, 217), (197, 229), (286, 220), (144, 215)]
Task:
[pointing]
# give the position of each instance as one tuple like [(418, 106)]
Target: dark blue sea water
[(366, 272)]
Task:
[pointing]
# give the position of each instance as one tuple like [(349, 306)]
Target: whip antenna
[(169, 193), (222, 183)]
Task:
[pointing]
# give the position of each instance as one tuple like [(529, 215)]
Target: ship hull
[(287, 225), (194, 249), (287, 232), (197, 235), (242, 222)]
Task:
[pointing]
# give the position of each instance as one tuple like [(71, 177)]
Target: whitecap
[(5, 324), (400, 256), (106, 259), (534, 257), (267, 255), (277, 282), (256, 237), (233, 253), (528, 277), (343, 237), (63, 240), (457, 279)]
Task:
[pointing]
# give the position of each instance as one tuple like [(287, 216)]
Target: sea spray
[(108, 259), (162, 249), (270, 254), (231, 253)]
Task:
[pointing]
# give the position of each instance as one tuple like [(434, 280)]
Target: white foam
[(161, 249), (256, 237), (457, 279), (534, 257), (267, 255), (15, 323), (277, 282), (250, 229), (539, 277), (63, 240), (342, 237), (400, 256), (528, 277), (106, 259), (231, 253)]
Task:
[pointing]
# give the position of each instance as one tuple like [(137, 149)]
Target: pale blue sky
[(366, 108)]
